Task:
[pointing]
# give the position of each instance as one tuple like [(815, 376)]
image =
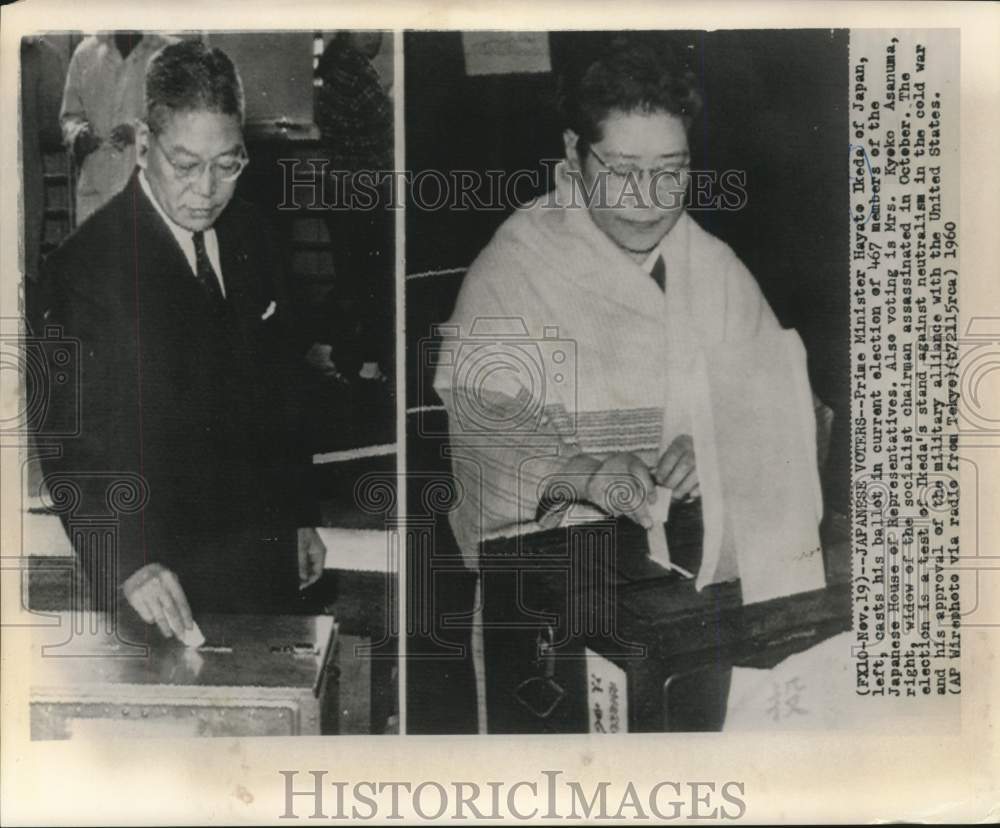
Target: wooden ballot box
[(327, 667), (583, 633), (254, 676)]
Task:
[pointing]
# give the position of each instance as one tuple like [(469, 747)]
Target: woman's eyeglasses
[(669, 174)]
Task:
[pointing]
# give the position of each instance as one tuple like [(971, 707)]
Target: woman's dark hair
[(189, 76), (630, 76)]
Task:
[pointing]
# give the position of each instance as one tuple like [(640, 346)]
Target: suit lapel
[(242, 289), (162, 266), (173, 296), (241, 292)]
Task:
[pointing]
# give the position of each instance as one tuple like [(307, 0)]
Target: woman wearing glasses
[(611, 274), (581, 331), (579, 373)]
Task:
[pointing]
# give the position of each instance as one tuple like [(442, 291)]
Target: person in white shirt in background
[(102, 101)]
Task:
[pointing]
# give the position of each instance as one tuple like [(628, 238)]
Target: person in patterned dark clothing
[(355, 117)]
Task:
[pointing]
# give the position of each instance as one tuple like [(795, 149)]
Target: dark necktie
[(659, 273), (205, 272)]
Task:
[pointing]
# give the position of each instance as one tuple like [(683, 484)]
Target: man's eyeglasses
[(227, 169), (662, 176)]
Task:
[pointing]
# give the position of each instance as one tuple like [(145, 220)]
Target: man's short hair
[(188, 76), (630, 76)]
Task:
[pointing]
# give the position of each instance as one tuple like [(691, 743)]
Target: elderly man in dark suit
[(173, 290)]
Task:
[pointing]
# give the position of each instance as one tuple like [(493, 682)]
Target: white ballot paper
[(755, 443), (193, 637), (659, 552)]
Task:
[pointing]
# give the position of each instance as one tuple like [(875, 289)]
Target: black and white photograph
[(667, 475), (596, 403), (630, 362), (210, 390)]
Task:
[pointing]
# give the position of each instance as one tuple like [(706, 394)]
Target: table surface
[(663, 611)]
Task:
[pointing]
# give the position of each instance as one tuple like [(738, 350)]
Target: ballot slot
[(219, 649), (301, 650)]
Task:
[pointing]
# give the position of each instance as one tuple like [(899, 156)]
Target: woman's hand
[(676, 469), (312, 557), (622, 485)]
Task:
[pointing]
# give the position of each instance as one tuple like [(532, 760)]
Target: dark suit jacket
[(194, 402)]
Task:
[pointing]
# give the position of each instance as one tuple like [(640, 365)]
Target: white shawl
[(551, 282)]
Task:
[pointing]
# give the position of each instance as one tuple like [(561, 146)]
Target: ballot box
[(254, 676), (342, 616), (327, 667), (582, 632)]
